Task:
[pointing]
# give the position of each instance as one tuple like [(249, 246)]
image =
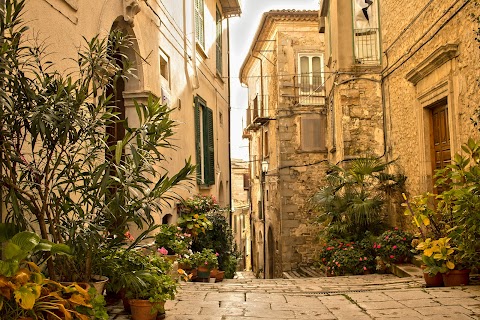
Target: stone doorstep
[(405, 270)]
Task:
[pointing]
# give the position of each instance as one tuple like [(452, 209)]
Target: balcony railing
[(367, 47), (257, 109), (309, 89)]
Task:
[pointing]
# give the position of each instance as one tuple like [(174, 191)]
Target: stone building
[(403, 78), (241, 211), (286, 123), (180, 55)]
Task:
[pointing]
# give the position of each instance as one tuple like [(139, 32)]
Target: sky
[(242, 31)]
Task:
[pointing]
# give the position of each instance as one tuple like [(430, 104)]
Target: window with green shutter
[(219, 56), (200, 22), (204, 143)]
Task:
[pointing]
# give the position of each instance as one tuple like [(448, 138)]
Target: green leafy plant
[(350, 260), (437, 255), (25, 292), (205, 258), (54, 144), (219, 239), (353, 200), (172, 239), (394, 246)]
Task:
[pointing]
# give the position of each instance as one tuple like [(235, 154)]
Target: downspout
[(229, 126), (196, 83)]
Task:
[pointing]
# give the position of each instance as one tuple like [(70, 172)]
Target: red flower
[(394, 247), (392, 256)]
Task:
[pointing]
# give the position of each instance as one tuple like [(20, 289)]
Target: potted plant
[(349, 260), (149, 300), (433, 267), (204, 261), (37, 297)]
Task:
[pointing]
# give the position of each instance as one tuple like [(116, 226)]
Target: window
[(219, 55), (265, 145), (310, 79), (164, 66), (205, 156), (246, 181), (313, 131), (200, 23), (366, 32), (220, 118)]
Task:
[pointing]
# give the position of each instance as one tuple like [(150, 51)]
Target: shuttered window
[(204, 143), (219, 55), (200, 22), (313, 131)]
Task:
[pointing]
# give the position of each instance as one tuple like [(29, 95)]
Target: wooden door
[(441, 137)]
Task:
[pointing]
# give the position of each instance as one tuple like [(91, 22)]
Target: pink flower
[(374, 246), (365, 268), (206, 262), (386, 238), (329, 248), (392, 256), (178, 228), (360, 259), (216, 253), (162, 250), (394, 247), (396, 228), (378, 246), (129, 236), (404, 239), (365, 258)]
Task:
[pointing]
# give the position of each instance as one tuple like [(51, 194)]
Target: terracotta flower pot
[(220, 275), (432, 281), (456, 278), (203, 272), (142, 310)]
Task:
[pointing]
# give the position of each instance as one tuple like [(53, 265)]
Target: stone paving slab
[(337, 298)]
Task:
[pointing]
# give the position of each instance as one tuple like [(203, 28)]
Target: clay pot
[(142, 310), (220, 275), (456, 278), (203, 272), (99, 282), (432, 281)]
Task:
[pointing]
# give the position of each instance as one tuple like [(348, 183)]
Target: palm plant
[(353, 200), (59, 171)]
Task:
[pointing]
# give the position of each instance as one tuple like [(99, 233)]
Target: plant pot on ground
[(454, 278)]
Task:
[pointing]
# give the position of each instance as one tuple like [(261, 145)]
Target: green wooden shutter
[(198, 142), (208, 144), (199, 22), (219, 42)]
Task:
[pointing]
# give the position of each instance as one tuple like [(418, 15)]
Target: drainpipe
[(229, 127), (196, 83)]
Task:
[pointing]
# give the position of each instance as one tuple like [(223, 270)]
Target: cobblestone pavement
[(342, 298)]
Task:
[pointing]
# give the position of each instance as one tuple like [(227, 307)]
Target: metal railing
[(309, 89), (367, 46)]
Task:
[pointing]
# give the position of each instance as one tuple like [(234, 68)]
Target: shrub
[(394, 246), (349, 260)]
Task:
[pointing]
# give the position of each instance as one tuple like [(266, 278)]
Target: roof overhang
[(231, 8)]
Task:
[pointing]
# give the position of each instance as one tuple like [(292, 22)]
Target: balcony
[(231, 8), (309, 89), (367, 46), (257, 112)]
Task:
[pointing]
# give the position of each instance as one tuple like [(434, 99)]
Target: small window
[(265, 145), (164, 67), (313, 131), (246, 181)]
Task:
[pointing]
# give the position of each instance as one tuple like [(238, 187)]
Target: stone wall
[(438, 25)]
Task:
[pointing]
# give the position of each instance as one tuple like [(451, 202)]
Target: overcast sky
[(242, 31)]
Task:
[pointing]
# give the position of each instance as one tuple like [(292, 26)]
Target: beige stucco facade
[(169, 64), (286, 109), (425, 59), (241, 212)]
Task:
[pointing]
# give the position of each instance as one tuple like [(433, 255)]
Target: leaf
[(428, 252), (26, 240), (27, 295), (60, 248), (450, 265), (118, 152)]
